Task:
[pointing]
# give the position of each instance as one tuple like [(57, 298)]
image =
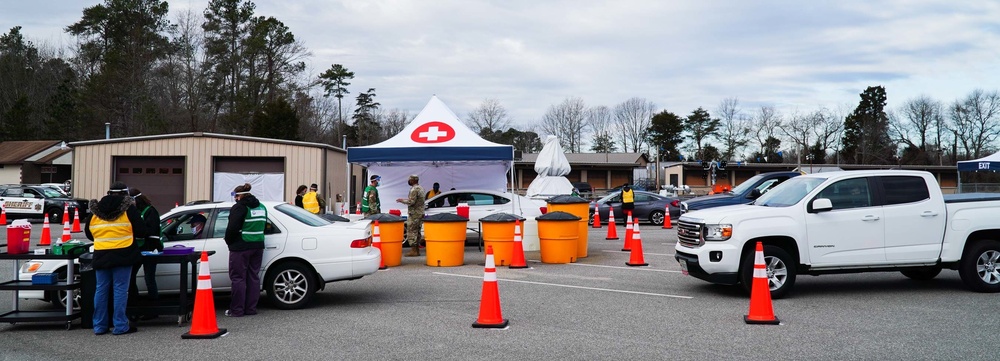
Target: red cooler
[(463, 210), (18, 237), (395, 212)]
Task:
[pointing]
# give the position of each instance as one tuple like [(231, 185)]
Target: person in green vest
[(151, 218), (369, 201), (245, 238)]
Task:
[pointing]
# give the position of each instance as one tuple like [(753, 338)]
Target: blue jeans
[(114, 279)]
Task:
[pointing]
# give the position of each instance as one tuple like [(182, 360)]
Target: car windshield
[(789, 192), (51, 193), (743, 187), (302, 215)]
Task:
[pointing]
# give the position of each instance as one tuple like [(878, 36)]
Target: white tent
[(990, 163), (439, 148)]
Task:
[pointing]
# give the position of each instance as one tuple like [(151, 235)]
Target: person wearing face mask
[(245, 238), (197, 225), (151, 219), (369, 201)]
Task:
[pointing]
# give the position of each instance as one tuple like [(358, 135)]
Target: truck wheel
[(656, 218), (780, 270), (290, 285), (980, 267), (922, 273)]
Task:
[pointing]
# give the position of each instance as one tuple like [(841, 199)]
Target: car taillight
[(676, 203), (361, 243)]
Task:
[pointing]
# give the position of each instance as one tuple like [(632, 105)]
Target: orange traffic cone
[(3, 215), (666, 217), (66, 231), (597, 217), (761, 311), (176, 205), (203, 324), (612, 228), (377, 243), (76, 221), (489, 305), (636, 258), (358, 210), (627, 246), (517, 260), (46, 238)]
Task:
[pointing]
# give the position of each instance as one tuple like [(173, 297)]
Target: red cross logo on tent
[(433, 132)]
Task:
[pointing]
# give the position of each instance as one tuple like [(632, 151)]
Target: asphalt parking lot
[(595, 309)]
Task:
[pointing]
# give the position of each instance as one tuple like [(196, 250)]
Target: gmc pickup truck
[(847, 222)]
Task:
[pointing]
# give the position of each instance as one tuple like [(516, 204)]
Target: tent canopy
[(439, 148), (987, 163)]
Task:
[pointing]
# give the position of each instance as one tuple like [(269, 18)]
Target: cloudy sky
[(796, 55)]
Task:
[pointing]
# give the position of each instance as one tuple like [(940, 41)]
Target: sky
[(799, 56)]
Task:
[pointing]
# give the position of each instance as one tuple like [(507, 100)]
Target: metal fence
[(980, 188)]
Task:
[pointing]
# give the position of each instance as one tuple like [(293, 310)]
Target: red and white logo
[(433, 132)]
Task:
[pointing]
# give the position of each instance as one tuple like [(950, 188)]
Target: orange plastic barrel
[(578, 207), (391, 235), (445, 237), (557, 237), (498, 232)]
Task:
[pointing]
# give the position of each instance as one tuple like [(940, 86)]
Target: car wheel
[(780, 270), (290, 285), (59, 297), (922, 273), (55, 215), (656, 218), (980, 267)]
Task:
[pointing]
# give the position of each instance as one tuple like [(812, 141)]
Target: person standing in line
[(369, 201), (301, 191), (310, 200), (115, 225), (151, 219), (628, 199), (414, 215), (245, 238)]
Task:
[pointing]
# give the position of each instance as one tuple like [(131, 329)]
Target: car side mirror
[(821, 205), (754, 194)]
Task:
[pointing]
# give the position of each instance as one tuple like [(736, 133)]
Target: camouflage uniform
[(414, 214)]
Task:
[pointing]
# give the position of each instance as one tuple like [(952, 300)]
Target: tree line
[(228, 70)]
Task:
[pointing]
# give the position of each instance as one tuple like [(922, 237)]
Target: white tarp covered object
[(552, 167), (264, 186), (437, 147)]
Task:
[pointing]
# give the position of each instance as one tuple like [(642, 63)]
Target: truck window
[(848, 193), (904, 189), (789, 192)]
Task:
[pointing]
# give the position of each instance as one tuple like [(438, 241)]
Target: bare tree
[(827, 126), (599, 119), (733, 128), (976, 121), (490, 116), (394, 121), (632, 119), (799, 129), (764, 124), (566, 121)]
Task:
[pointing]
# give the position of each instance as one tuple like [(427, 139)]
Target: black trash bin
[(88, 285)]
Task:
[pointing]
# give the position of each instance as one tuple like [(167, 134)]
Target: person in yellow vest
[(114, 228), (310, 201), (435, 190), (245, 238), (628, 199)]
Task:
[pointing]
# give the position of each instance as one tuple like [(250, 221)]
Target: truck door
[(853, 232), (914, 223)]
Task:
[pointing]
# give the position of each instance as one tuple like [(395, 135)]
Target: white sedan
[(302, 252), (483, 203)]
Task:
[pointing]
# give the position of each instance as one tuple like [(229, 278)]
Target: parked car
[(483, 203), (37, 201), (744, 193), (648, 207), (585, 189), (303, 252)]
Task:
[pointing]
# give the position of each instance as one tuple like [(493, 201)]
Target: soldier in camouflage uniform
[(414, 215)]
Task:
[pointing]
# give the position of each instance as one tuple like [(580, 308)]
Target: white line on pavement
[(628, 268), (570, 286)]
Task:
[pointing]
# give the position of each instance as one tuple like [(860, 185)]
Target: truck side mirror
[(754, 194), (821, 205)]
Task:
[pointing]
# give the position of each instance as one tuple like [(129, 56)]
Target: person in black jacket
[(301, 191), (113, 228), (245, 238), (151, 219)]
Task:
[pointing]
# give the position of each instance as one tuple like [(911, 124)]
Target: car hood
[(725, 198), (726, 213)]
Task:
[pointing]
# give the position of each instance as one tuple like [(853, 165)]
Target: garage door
[(159, 178), (265, 174)]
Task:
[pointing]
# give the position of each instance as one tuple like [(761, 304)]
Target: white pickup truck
[(847, 222)]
